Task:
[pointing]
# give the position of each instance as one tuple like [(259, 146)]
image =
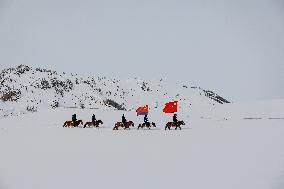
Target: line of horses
[(125, 126)]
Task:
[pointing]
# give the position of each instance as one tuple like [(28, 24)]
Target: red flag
[(142, 110), (171, 107)]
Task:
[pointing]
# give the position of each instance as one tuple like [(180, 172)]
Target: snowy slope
[(24, 89), (222, 146), (209, 152)]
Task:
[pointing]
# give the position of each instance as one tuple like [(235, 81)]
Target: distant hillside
[(24, 89)]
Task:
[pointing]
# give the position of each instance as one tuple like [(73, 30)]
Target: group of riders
[(123, 119)]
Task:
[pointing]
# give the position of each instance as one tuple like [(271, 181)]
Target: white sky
[(235, 48)]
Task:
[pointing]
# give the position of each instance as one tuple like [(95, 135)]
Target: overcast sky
[(234, 47)]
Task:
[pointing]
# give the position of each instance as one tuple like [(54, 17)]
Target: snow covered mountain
[(24, 89)]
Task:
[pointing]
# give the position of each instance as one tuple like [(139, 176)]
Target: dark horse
[(71, 124), (126, 126), (173, 124), (91, 124), (148, 125)]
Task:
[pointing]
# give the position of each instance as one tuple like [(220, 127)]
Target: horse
[(90, 124), (173, 124), (126, 126), (148, 125), (71, 124)]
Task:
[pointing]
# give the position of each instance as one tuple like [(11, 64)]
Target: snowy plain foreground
[(217, 149)]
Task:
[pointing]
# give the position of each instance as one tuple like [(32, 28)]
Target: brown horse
[(91, 124), (71, 124), (126, 126), (173, 124), (148, 125)]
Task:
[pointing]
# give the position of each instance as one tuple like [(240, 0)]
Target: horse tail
[(168, 125), (115, 127)]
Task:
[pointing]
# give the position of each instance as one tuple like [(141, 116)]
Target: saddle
[(173, 123)]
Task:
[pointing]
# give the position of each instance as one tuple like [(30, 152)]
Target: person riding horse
[(94, 119), (175, 120), (146, 120), (123, 119), (74, 118)]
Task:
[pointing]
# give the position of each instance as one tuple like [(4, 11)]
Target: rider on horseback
[(74, 118), (175, 120), (94, 119), (123, 120), (146, 120)]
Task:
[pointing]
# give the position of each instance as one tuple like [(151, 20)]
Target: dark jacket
[(123, 119), (145, 119), (175, 118), (93, 118), (74, 117)]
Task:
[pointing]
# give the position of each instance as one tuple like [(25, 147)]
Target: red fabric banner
[(171, 107), (143, 109)]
